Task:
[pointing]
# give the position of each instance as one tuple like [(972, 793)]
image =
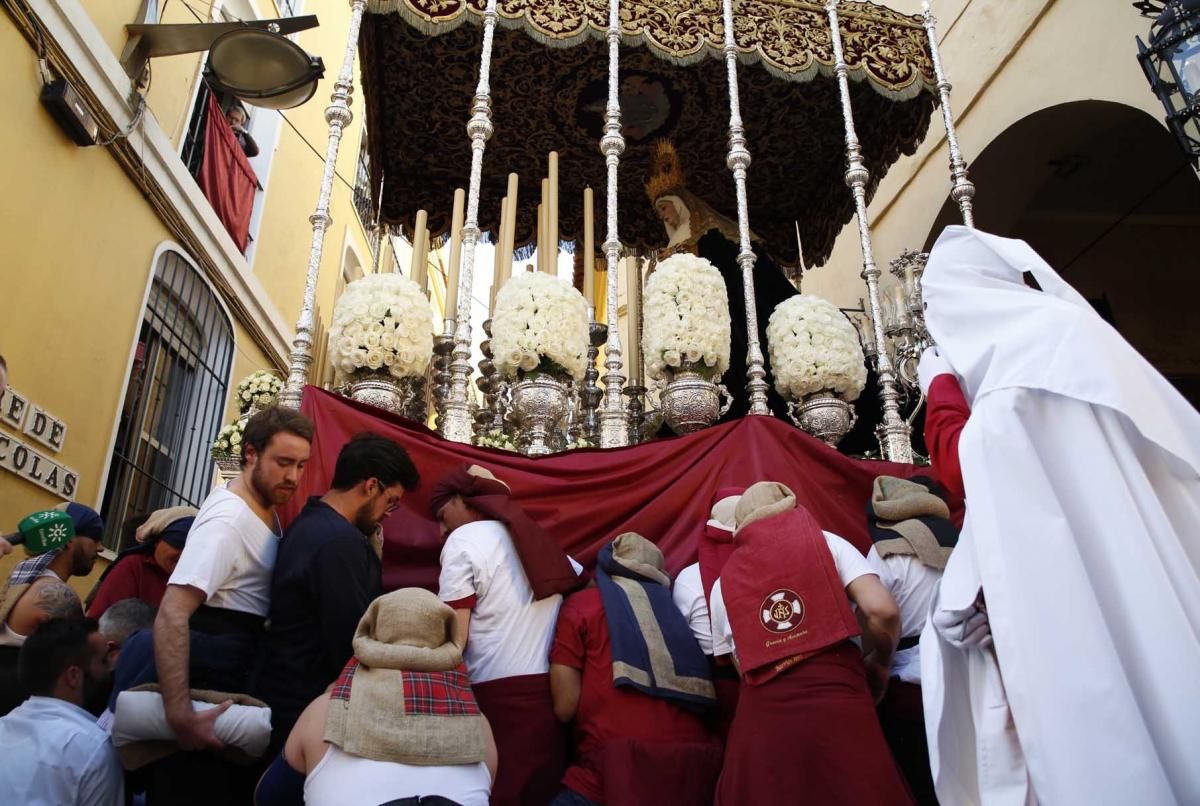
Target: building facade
[(1069, 152), (129, 311)]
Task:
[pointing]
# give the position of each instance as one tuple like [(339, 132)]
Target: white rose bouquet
[(540, 324), (685, 317), (382, 323), (228, 444), (813, 348), (498, 440), (258, 389)]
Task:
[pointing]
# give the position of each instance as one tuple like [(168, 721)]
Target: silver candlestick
[(591, 394), (443, 345), (614, 421), (488, 383), (637, 409), (338, 116), (479, 128), (738, 160), (962, 190), (894, 433)]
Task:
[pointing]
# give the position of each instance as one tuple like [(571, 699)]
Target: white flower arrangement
[(814, 348), (382, 323), (685, 317), (539, 324), (497, 439), (258, 389), (228, 444)]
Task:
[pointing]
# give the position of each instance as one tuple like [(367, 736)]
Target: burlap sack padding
[(895, 499), (409, 630), (762, 500), (897, 504), (138, 754), (724, 512), (639, 555), (162, 518), (482, 472)]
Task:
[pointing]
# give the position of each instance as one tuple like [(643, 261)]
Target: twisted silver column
[(962, 190), (614, 421), (738, 161), (458, 407), (893, 432), (338, 116)]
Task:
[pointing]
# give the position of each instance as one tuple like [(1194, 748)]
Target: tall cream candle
[(498, 268), (543, 247), (508, 232), (589, 248), (552, 216), (457, 214), (633, 309), (541, 232), (420, 267)]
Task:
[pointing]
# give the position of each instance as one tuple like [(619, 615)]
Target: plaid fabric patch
[(439, 693), (31, 569), (341, 688)]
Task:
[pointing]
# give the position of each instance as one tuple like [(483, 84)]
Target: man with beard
[(54, 752), (327, 574), (20, 608), (36, 590), (209, 624)]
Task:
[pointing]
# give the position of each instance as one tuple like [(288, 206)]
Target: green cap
[(46, 531)]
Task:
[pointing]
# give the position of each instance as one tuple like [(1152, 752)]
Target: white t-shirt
[(913, 585), (688, 593), (510, 633), (229, 555), (850, 566), (340, 779)]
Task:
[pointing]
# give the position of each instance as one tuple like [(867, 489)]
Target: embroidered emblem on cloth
[(782, 611)]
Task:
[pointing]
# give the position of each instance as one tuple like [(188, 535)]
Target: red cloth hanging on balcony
[(225, 177)]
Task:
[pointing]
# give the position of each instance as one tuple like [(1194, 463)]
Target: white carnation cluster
[(685, 316), (539, 318), (258, 389), (228, 444), (382, 322), (814, 348)]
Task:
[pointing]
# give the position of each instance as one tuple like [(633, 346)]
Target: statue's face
[(667, 212)]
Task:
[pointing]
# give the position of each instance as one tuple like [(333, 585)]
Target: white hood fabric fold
[(1081, 465)]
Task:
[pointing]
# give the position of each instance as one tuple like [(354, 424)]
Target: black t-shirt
[(325, 576)]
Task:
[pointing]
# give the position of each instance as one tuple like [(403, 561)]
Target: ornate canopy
[(548, 81)]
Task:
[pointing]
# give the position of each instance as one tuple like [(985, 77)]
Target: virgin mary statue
[(693, 226)]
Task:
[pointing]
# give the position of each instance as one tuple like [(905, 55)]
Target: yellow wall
[(76, 243), (77, 240)]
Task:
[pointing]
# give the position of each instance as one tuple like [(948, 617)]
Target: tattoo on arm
[(57, 600)]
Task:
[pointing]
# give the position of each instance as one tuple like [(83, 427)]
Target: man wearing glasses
[(326, 575)]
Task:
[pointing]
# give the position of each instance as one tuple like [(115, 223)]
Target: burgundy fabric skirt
[(810, 736), (529, 738), (656, 773), (902, 715)]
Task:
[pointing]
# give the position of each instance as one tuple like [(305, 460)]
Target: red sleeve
[(568, 648), (121, 583), (946, 414)]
